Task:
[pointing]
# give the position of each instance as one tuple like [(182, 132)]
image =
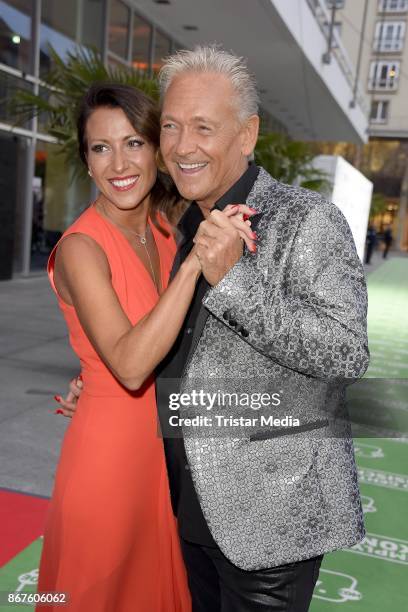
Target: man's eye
[(168, 126), (98, 148), (204, 128), (135, 143)]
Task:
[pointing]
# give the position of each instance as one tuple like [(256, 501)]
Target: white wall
[(351, 191)]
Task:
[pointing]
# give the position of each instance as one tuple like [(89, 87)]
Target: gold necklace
[(143, 242)]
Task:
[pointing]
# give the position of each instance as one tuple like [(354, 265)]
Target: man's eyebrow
[(168, 118), (196, 119)]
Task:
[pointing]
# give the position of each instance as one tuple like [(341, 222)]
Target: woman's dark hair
[(143, 115)]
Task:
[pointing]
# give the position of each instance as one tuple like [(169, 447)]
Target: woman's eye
[(98, 148), (135, 143)]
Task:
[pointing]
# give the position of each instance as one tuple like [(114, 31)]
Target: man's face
[(203, 143)]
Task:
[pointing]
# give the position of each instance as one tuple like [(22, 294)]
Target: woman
[(111, 541)]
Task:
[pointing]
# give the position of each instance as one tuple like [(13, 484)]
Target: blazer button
[(244, 333), (239, 328), (226, 315), (232, 322)]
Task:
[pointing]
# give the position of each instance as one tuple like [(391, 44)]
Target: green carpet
[(373, 576)]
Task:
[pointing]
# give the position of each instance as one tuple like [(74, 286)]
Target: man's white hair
[(214, 59)]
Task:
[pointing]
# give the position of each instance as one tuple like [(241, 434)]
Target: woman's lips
[(124, 184)]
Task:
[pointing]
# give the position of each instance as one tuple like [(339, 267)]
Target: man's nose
[(186, 143)]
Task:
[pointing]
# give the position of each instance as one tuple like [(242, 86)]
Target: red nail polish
[(253, 248), (80, 377), (254, 236), (245, 217), (58, 411), (57, 398)]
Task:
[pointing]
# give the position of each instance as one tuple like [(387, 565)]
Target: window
[(15, 34), (389, 36), (92, 23), (338, 3), (393, 6), (142, 32), (384, 75), (119, 21), (58, 29), (162, 48), (379, 111)]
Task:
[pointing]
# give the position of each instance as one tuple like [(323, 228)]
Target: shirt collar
[(237, 194)]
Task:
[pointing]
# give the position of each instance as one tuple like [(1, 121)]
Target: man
[(257, 513)]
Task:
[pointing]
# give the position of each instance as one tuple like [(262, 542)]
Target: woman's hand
[(219, 241), (239, 215)]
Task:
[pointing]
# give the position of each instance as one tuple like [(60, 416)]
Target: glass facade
[(141, 41), (15, 33), (92, 23), (40, 195), (119, 23), (162, 48)]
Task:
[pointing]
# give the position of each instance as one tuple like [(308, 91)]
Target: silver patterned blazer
[(295, 313)]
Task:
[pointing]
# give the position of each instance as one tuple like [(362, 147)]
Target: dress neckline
[(155, 234)]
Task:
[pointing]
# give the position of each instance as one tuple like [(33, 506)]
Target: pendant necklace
[(142, 240)]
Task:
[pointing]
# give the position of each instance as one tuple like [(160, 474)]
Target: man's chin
[(190, 192)]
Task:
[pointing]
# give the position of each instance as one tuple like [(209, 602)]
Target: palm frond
[(62, 89)]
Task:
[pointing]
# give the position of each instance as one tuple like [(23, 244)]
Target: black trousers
[(217, 585)]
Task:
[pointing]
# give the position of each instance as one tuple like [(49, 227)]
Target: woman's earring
[(89, 172)]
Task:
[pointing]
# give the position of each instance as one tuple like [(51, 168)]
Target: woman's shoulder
[(83, 239)]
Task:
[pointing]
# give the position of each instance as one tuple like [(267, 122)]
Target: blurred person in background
[(371, 241), (387, 238)]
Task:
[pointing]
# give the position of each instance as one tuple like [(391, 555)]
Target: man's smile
[(191, 168)]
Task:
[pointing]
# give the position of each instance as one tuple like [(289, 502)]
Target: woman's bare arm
[(82, 277)]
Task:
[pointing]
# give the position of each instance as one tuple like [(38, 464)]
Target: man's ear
[(250, 132)]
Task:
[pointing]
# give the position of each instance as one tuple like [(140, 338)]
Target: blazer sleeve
[(306, 311)]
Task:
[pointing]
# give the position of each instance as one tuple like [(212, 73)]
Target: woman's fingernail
[(58, 411), (57, 398), (253, 248), (253, 210), (80, 377), (245, 217), (254, 235)]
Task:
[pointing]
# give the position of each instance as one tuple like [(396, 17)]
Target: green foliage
[(289, 161), (64, 86), (378, 205)]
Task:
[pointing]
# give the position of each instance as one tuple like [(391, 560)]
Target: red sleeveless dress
[(111, 539)]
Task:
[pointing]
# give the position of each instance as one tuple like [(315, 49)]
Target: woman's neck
[(134, 219)]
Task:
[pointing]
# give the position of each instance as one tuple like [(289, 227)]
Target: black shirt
[(191, 522)]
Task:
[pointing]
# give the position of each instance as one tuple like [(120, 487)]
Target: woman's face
[(122, 162)]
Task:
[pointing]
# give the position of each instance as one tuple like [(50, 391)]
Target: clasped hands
[(219, 241)]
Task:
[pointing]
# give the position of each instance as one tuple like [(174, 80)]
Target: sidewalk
[(36, 362)]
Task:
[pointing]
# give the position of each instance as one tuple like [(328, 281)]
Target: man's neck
[(207, 205)]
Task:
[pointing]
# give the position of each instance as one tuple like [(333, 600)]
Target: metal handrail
[(322, 16)]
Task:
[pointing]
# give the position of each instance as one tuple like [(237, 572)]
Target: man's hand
[(68, 405), (220, 239)]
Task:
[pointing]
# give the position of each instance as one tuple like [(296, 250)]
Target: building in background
[(375, 32), (308, 90)]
